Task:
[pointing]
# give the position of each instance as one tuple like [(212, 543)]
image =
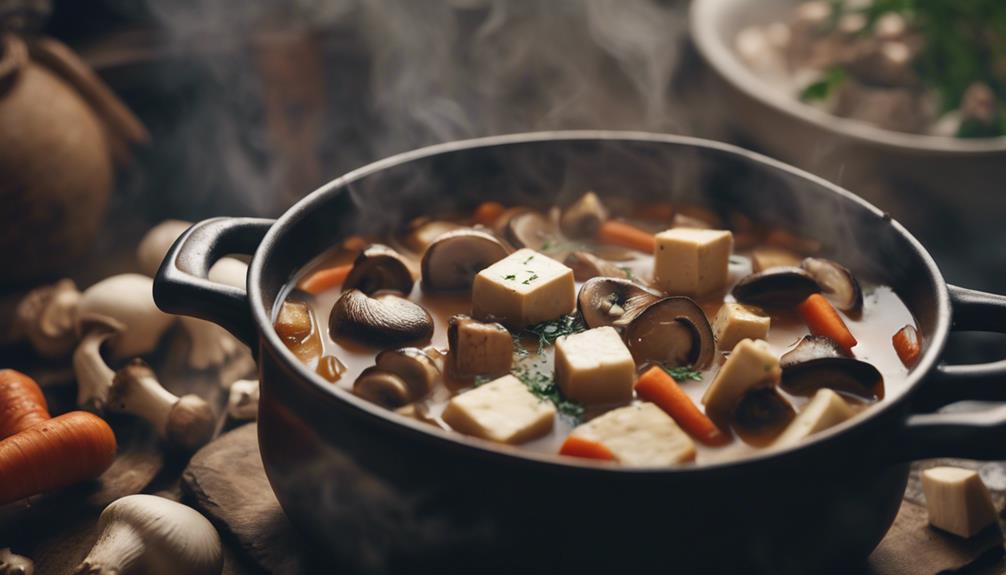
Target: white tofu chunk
[(594, 367), (826, 409), (692, 262), (750, 365), (640, 435), (957, 500), (502, 410), (766, 258), (479, 348), (735, 322), (523, 289)]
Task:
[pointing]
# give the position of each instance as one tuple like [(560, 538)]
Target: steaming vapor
[(392, 75)]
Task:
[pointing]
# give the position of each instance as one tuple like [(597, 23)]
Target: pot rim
[(705, 16), (263, 320)]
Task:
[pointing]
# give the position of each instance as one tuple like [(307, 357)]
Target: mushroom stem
[(13, 564), (210, 344), (186, 422), (242, 401), (153, 535), (94, 377)]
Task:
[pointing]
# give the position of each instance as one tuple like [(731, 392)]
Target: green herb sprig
[(549, 331), (683, 373), (542, 386)]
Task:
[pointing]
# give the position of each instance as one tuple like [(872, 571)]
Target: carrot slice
[(580, 447), (907, 344), (627, 236), (487, 213), (325, 279), (657, 386), (822, 319)]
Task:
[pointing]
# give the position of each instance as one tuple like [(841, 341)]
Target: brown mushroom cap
[(583, 217), (452, 261), (418, 370), (382, 387), (818, 362), (761, 415), (612, 301), (379, 268), (837, 283), (385, 319), (673, 331), (531, 230), (776, 287)]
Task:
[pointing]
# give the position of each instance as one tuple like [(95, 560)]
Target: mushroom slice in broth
[(379, 268), (837, 283), (612, 301), (817, 362), (672, 331), (776, 287), (380, 320), (451, 262)]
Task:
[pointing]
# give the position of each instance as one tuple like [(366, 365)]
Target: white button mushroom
[(155, 536), (242, 400), (46, 318), (156, 242), (12, 564), (129, 299), (94, 377)]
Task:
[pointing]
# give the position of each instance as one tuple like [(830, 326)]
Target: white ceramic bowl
[(951, 191)]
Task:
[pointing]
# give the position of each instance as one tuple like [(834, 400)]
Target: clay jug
[(60, 128)]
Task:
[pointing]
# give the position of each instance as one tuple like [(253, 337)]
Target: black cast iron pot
[(378, 492)]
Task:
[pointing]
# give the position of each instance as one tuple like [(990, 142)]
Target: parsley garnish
[(628, 272), (825, 87), (549, 331), (529, 258), (683, 373), (545, 388), (518, 346), (510, 277), (530, 278)]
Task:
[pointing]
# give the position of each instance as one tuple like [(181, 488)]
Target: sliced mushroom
[(673, 331), (761, 415), (382, 387), (837, 283), (413, 366), (452, 261), (384, 319), (776, 287), (583, 217), (379, 268), (612, 301), (425, 232), (817, 362), (531, 230), (586, 266)]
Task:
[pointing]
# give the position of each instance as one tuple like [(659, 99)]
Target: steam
[(393, 75)]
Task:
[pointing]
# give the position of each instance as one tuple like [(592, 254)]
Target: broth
[(883, 314)]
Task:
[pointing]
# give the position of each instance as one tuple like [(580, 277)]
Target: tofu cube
[(825, 410), (502, 410), (594, 367), (957, 500), (735, 322), (692, 262), (640, 435), (479, 348), (750, 365), (768, 257), (523, 289)]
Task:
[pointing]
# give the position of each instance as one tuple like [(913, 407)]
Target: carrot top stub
[(822, 319)]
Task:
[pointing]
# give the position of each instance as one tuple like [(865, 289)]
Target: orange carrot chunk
[(622, 234), (22, 404), (325, 279), (657, 386), (822, 319), (907, 344), (487, 213), (54, 454), (579, 447)]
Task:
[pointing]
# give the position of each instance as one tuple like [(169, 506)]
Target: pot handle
[(182, 285), (974, 435)]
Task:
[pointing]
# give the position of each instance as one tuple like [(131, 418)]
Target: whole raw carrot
[(487, 213), (53, 454), (658, 387), (575, 446), (325, 279), (822, 319), (907, 344), (622, 234), (22, 404)]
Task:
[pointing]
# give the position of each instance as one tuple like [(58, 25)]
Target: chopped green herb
[(482, 380), (545, 388), (529, 258), (510, 277), (518, 346), (628, 272), (530, 278), (683, 373), (549, 331), (825, 87)]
